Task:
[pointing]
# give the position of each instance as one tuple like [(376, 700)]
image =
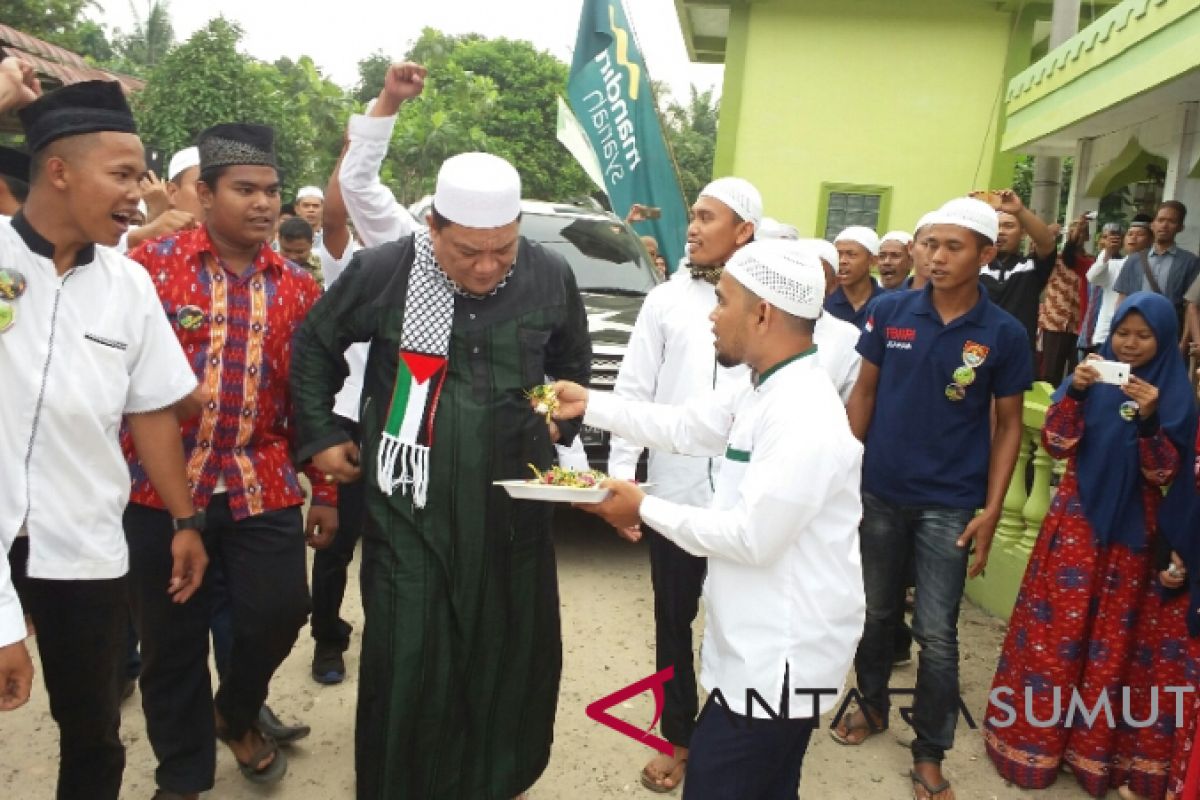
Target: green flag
[(610, 94)]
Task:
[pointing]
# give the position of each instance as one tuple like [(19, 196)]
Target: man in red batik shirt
[(234, 304)]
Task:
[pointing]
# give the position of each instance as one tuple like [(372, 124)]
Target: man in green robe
[(461, 651)]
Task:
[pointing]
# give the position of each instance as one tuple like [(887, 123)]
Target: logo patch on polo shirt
[(974, 354), (900, 338)]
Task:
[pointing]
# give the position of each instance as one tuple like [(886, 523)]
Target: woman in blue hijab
[(1091, 612)]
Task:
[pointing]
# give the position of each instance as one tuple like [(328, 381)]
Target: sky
[(342, 32)]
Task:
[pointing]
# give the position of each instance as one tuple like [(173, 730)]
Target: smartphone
[(155, 161), (1114, 372), (653, 212)]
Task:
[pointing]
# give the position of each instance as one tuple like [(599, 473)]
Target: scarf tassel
[(413, 461)]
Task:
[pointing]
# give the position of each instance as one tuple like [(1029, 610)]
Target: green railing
[(1024, 509)]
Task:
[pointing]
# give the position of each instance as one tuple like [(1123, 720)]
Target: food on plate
[(571, 478)]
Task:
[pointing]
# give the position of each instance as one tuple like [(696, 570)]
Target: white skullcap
[(925, 221), (967, 212), (824, 251), (185, 159), (740, 195), (785, 274), (903, 237), (478, 190), (861, 235), (771, 228), (310, 191)]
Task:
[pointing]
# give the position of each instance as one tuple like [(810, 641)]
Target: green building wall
[(904, 95)]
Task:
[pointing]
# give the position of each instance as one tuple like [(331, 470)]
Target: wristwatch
[(194, 522)]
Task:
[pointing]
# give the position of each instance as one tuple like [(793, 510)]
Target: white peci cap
[(969, 213), (903, 237), (860, 235), (786, 274), (740, 195), (478, 190), (184, 160)]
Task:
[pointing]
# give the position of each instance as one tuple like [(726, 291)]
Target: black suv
[(614, 274)]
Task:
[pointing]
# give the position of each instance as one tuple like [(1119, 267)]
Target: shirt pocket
[(729, 478), (532, 345), (102, 374)]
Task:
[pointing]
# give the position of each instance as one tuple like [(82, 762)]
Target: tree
[(691, 130), (152, 37), (371, 71), (206, 81), (494, 94), (56, 21), (315, 117)]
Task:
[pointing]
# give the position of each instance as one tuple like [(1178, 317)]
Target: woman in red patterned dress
[(1079, 625), (1184, 782)]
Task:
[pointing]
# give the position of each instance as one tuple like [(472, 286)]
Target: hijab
[(1108, 463)]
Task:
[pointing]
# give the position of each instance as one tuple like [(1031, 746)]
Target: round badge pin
[(12, 283), (8, 316), (964, 376), (190, 317), (955, 392), (1129, 410)]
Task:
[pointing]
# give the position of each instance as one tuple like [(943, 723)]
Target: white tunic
[(86, 348), (346, 402), (837, 352), (372, 207), (671, 360), (1104, 273), (784, 592)]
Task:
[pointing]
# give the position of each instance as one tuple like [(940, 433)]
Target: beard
[(727, 361)]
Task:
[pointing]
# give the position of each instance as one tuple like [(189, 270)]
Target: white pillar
[(1047, 170)]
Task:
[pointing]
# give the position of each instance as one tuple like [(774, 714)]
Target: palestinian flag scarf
[(403, 460)]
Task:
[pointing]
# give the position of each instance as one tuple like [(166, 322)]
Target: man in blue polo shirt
[(948, 351), (858, 250)]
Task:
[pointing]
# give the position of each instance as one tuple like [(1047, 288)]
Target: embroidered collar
[(45, 248)]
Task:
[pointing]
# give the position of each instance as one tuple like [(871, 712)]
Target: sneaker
[(328, 667)]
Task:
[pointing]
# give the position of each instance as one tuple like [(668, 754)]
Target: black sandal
[(272, 772), (931, 789)]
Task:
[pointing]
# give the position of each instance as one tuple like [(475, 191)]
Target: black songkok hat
[(234, 144), (14, 164), (88, 107)]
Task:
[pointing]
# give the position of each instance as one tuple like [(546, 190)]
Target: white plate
[(528, 490)]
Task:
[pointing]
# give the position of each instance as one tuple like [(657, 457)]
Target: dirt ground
[(608, 639)]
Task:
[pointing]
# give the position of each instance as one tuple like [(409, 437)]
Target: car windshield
[(602, 253)]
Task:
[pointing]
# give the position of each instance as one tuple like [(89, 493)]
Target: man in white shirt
[(309, 203), (1103, 275), (784, 600), (83, 343), (670, 359)]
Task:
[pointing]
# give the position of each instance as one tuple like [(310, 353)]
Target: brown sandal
[(868, 724)]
